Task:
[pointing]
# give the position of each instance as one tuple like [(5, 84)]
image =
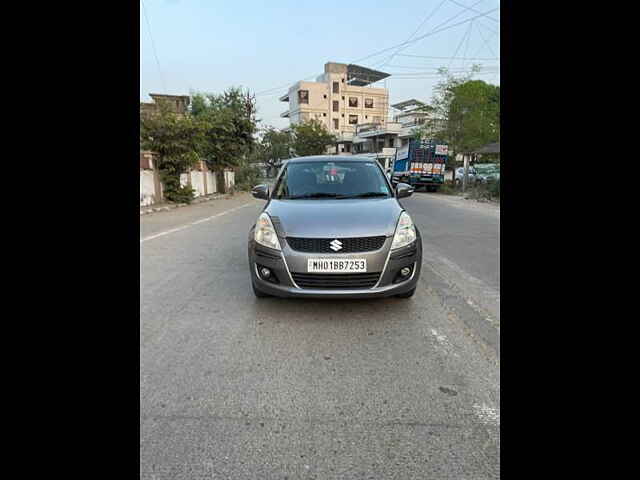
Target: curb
[(197, 200)]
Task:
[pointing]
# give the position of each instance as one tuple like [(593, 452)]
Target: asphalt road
[(241, 388)]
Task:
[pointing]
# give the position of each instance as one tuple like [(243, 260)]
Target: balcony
[(366, 130), (345, 137)]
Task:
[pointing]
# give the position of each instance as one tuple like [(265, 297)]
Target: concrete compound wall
[(198, 179), (229, 179), (212, 187), (197, 183), (147, 188), (202, 180)]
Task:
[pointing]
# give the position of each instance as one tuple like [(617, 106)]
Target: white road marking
[(488, 415), (173, 230), (478, 295)]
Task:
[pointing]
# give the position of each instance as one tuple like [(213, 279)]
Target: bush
[(484, 191), (448, 188), (494, 189), (180, 194), (173, 191)]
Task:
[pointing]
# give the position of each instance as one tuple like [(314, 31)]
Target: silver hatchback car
[(333, 227)]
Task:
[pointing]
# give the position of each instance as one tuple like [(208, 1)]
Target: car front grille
[(348, 245), (335, 281)]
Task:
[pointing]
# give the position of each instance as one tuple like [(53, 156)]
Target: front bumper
[(388, 263)]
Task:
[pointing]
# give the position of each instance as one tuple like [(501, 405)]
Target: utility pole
[(465, 179)]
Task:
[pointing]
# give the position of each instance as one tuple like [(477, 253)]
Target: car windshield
[(346, 179), (487, 168)]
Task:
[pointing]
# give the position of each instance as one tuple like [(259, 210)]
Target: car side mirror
[(261, 191), (403, 190)]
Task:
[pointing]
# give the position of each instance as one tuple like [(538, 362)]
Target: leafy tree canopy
[(311, 138), (227, 125)]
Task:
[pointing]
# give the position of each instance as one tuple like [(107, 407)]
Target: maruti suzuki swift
[(333, 227)]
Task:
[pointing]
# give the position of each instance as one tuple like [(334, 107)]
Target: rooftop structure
[(341, 98)]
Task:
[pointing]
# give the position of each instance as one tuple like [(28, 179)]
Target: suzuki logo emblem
[(336, 245)]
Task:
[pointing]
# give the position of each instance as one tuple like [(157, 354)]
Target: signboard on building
[(442, 149)]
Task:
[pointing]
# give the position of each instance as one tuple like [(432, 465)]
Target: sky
[(191, 46)]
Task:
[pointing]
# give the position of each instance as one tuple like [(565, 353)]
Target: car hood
[(335, 218)]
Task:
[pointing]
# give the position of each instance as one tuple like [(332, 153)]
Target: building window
[(348, 146), (336, 87), (343, 115), (324, 114), (343, 97), (368, 103), (343, 80), (353, 102), (303, 96), (336, 124), (336, 105), (353, 119), (366, 117), (324, 96)]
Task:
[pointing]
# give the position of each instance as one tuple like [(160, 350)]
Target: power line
[(466, 46), (263, 92), (472, 9), (434, 68), (447, 58), (436, 75), (407, 42), (486, 42), (416, 31), (153, 45), (426, 35), (450, 19), (460, 44), (462, 70)]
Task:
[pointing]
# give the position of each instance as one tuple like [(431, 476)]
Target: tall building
[(175, 103), (341, 99)]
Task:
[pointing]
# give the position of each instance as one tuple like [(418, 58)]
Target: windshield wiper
[(312, 195), (364, 195)]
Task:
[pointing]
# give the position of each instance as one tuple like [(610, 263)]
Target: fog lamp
[(405, 271), (265, 272)]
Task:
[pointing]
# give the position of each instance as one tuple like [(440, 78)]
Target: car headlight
[(265, 234), (405, 232)]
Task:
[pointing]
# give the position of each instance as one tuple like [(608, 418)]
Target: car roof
[(329, 158)]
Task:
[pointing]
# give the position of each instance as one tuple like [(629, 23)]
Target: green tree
[(311, 138), (274, 145), (227, 124), (174, 138), (465, 113)]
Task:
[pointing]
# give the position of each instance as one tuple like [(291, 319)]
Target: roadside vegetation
[(221, 131), (466, 116)]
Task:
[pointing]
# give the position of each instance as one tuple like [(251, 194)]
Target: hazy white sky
[(211, 45)]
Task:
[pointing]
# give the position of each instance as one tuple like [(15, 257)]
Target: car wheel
[(407, 294), (258, 293)]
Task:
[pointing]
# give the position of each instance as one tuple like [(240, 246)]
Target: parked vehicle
[(460, 175), (333, 227), (421, 165), (487, 172)]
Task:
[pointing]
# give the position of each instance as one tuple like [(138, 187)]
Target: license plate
[(330, 265)]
